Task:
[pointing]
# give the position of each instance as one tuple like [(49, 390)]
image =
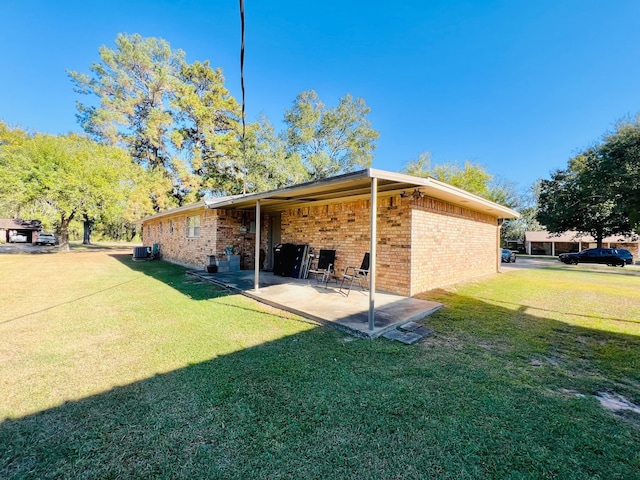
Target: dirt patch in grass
[(616, 403)]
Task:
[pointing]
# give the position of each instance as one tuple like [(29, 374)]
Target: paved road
[(26, 248), (542, 262)]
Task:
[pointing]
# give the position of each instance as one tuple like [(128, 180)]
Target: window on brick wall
[(170, 226), (193, 226)]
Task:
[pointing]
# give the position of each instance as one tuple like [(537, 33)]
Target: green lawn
[(117, 369)]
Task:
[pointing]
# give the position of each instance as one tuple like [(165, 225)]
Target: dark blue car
[(605, 256)]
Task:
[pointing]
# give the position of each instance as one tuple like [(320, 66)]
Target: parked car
[(17, 238), (46, 239), (605, 256), (626, 254), (508, 256)]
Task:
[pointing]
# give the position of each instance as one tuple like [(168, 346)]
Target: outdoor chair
[(323, 268), (354, 274)]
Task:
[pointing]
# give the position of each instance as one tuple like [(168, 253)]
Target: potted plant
[(212, 268)]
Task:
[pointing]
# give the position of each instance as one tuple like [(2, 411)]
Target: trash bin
[(284, 256)]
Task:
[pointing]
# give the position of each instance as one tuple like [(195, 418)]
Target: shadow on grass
[(465, 403), (175, 276)]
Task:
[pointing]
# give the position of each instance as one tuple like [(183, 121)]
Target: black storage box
[(284, 256)]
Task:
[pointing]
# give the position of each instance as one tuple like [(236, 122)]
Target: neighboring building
[(12, 226), (428, 234), (545, 243)]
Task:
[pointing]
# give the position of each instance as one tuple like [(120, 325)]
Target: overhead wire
[(244, 149)]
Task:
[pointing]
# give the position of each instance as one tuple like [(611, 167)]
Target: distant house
[(421, 233), (545, 243), (11, 226)]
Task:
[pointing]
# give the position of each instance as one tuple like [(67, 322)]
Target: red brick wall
[(218, 229), (345, 227), (422, 244), (450, 244), (447, 244)]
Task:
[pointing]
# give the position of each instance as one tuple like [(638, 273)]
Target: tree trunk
[(63, 236), (599, 236), (88, 228)]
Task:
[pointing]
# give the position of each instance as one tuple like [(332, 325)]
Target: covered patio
[(411, 228), (325, 304), (368, 185)]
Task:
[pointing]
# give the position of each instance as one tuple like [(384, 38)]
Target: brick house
[(545, 243), (427, 234)]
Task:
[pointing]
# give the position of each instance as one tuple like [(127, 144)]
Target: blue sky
[(516, 86)]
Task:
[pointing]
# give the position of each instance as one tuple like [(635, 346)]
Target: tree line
[(598, 193), (180, 130), (160, 132)]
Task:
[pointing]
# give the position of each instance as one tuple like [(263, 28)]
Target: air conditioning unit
[(141, 253)]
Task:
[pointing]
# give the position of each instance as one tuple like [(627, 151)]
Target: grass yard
[(117, 369)]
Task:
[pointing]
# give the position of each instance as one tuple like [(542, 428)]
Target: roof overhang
[(357, 186), (345, 188)]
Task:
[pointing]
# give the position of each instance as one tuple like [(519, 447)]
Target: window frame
[(193, 226)]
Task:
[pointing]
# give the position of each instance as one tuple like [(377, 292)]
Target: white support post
[(256, 282), (372, 252)]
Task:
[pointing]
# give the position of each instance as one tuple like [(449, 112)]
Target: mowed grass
[(117, 369)]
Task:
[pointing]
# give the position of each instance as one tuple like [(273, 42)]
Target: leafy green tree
[(620, 168), (206, 130), (69, 176), (11, 189), (469, 176), (580, 198), (329, 141), (269, 166), (174, 118), (514, 229), (133, 83)]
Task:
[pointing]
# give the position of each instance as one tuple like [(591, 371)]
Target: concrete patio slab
[(325, 304)]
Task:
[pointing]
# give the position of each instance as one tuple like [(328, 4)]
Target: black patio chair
[(324, 266), (354, 274)]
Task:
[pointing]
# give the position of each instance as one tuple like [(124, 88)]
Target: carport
[(9, 226)]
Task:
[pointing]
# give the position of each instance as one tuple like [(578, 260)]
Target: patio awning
[(357, 186), (367, 184)]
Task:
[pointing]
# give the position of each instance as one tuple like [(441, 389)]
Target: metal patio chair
[(324, 266), (354, 274)]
